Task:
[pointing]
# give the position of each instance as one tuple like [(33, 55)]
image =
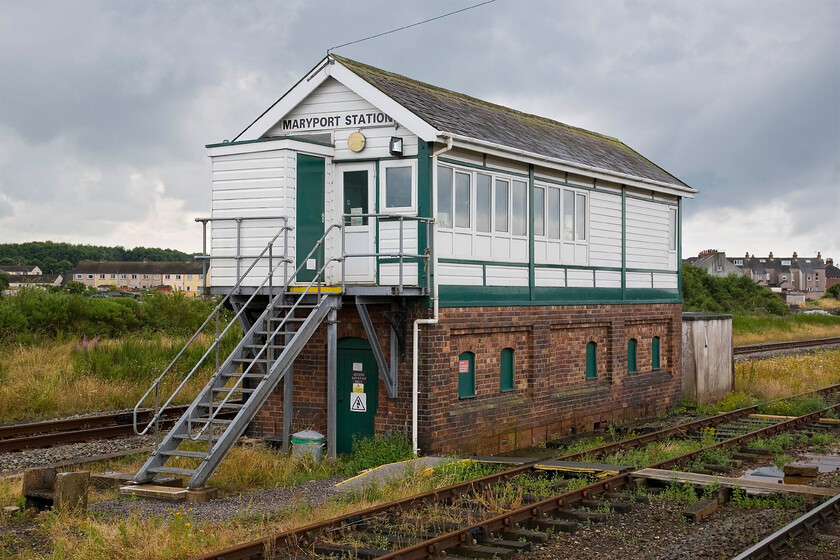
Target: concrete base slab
[(164, 493), (116, 479), (71, 490), (168, 493), (382, 473), (801, 469)]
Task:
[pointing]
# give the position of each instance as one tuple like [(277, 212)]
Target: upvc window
[(502, 204), (444, 210), (483, 202), (398, 189), (463, 196), (539, 211), (520, 208)]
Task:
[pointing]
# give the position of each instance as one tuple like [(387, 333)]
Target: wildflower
[(85, 342)]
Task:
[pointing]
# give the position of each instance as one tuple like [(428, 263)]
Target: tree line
[(58, 258)]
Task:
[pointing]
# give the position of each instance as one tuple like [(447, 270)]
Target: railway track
[(454, 519), (759, 349), (36, 435)]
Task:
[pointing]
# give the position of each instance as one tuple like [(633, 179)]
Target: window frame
[(655, 353), (591, 371), (383, 187), (632, 356), (507, 368), (468, 376)]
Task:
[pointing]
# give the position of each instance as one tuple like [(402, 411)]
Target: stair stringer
[(262, 391)]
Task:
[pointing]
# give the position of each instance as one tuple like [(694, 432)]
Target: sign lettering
[(463, 366), (335, 121)]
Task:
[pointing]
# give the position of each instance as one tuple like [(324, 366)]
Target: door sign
[(358, 402), (463, 366)]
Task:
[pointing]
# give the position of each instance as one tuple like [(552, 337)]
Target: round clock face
[(356, 141)]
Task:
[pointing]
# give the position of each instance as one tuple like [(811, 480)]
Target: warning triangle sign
[(358, 402)]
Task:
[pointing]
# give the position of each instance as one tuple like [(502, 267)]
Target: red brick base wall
[(551, 396)]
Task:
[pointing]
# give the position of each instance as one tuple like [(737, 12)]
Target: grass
[(63, 377), (754, 329), (179, 535), (782, 376)]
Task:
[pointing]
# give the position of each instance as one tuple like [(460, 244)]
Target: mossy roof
[(455, 113)]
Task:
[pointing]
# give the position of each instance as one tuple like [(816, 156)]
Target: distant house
[(17, 281), (832, 274), (714, 262), (795, 278), (181, 276), (20, 270)]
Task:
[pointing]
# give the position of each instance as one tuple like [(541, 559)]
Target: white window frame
[(79, 276), (544, 237), (383, 176), (472, 230)]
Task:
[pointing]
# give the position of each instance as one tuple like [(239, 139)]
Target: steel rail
[(748, 349), (36, 435), (770, 546), (433, 548)]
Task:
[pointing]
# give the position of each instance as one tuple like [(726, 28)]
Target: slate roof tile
[(460, 114)]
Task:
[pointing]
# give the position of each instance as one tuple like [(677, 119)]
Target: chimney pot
[(771, 254), (819, 255), (794, 254)]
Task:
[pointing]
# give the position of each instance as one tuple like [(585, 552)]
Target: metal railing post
[(401, 256)]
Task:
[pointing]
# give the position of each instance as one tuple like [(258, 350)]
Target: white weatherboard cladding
[(647, 235), (580, 278), (604, 229), (550, 277), (506, 275), (607, 279), (389, 274), (639, 280), (334, 99), (250, 184), (666, 281), (452, 274)]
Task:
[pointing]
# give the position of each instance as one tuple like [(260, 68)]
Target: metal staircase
[(243, 381)]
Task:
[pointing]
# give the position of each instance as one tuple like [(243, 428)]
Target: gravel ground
[(18, 461), (656, 531), (313, 493)]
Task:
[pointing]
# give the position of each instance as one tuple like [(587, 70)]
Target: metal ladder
[(242, 383)]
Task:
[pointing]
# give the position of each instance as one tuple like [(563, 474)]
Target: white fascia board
[(500, 150), (375, 97), (285, 104), (250, 147)]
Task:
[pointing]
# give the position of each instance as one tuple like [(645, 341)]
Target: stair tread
[(180, 453), (215, 421), (172, 470), (218, 404), (232, 389)]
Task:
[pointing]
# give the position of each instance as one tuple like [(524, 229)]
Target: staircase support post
[(288, 401), (332, 381)]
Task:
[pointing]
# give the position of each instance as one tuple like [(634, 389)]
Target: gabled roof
[(455, 113)]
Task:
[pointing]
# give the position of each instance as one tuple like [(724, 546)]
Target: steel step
[(219, 421), (172, 470), (179, 453), (233, 390)]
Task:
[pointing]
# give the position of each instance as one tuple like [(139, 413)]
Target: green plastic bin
[(308, 442)]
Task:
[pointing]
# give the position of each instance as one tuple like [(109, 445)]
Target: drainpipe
[(433, 321)]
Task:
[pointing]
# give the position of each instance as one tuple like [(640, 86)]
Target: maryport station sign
[(320, 122)]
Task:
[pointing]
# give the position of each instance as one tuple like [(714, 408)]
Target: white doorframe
[(359, 238)]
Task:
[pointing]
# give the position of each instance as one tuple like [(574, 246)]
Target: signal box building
[(491, 279)]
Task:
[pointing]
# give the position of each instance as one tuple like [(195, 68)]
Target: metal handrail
[(401, 254), (284, 229), (269, 335)]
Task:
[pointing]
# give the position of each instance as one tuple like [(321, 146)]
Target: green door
[(309, 213), (357, 392)]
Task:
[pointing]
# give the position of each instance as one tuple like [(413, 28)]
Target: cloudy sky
[(105, 107)]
